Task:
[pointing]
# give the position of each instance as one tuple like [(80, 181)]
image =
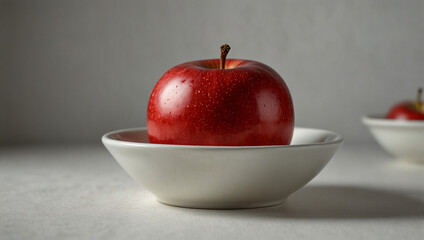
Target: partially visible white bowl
[(221, 177), (402, 138)]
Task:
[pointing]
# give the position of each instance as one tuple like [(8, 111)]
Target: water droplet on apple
[(270, 111)]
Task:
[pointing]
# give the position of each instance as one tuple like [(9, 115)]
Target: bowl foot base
[(220, 205)]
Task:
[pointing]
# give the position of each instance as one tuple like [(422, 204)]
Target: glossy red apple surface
[(408, 110), (201, 103)]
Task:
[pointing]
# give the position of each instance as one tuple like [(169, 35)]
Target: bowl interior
[(130, 135), (301, 137)]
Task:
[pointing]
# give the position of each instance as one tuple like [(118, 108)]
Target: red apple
[(408, 110), (220, 102)]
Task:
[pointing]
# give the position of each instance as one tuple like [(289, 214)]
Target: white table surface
[(82, 193)]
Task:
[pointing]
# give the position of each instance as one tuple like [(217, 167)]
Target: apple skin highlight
[(197, 103)]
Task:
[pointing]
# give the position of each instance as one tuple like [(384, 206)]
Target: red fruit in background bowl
[(220, 102), (408, 110)]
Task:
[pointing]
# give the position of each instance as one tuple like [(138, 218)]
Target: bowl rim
[(107, 140), (380, 120)]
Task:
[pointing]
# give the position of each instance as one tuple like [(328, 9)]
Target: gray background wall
[(73, 70)]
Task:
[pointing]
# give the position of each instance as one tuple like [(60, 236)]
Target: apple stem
[(224, 51), (420, 105)]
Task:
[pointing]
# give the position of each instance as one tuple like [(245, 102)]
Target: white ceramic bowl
[(222, 177), (403, 139)]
